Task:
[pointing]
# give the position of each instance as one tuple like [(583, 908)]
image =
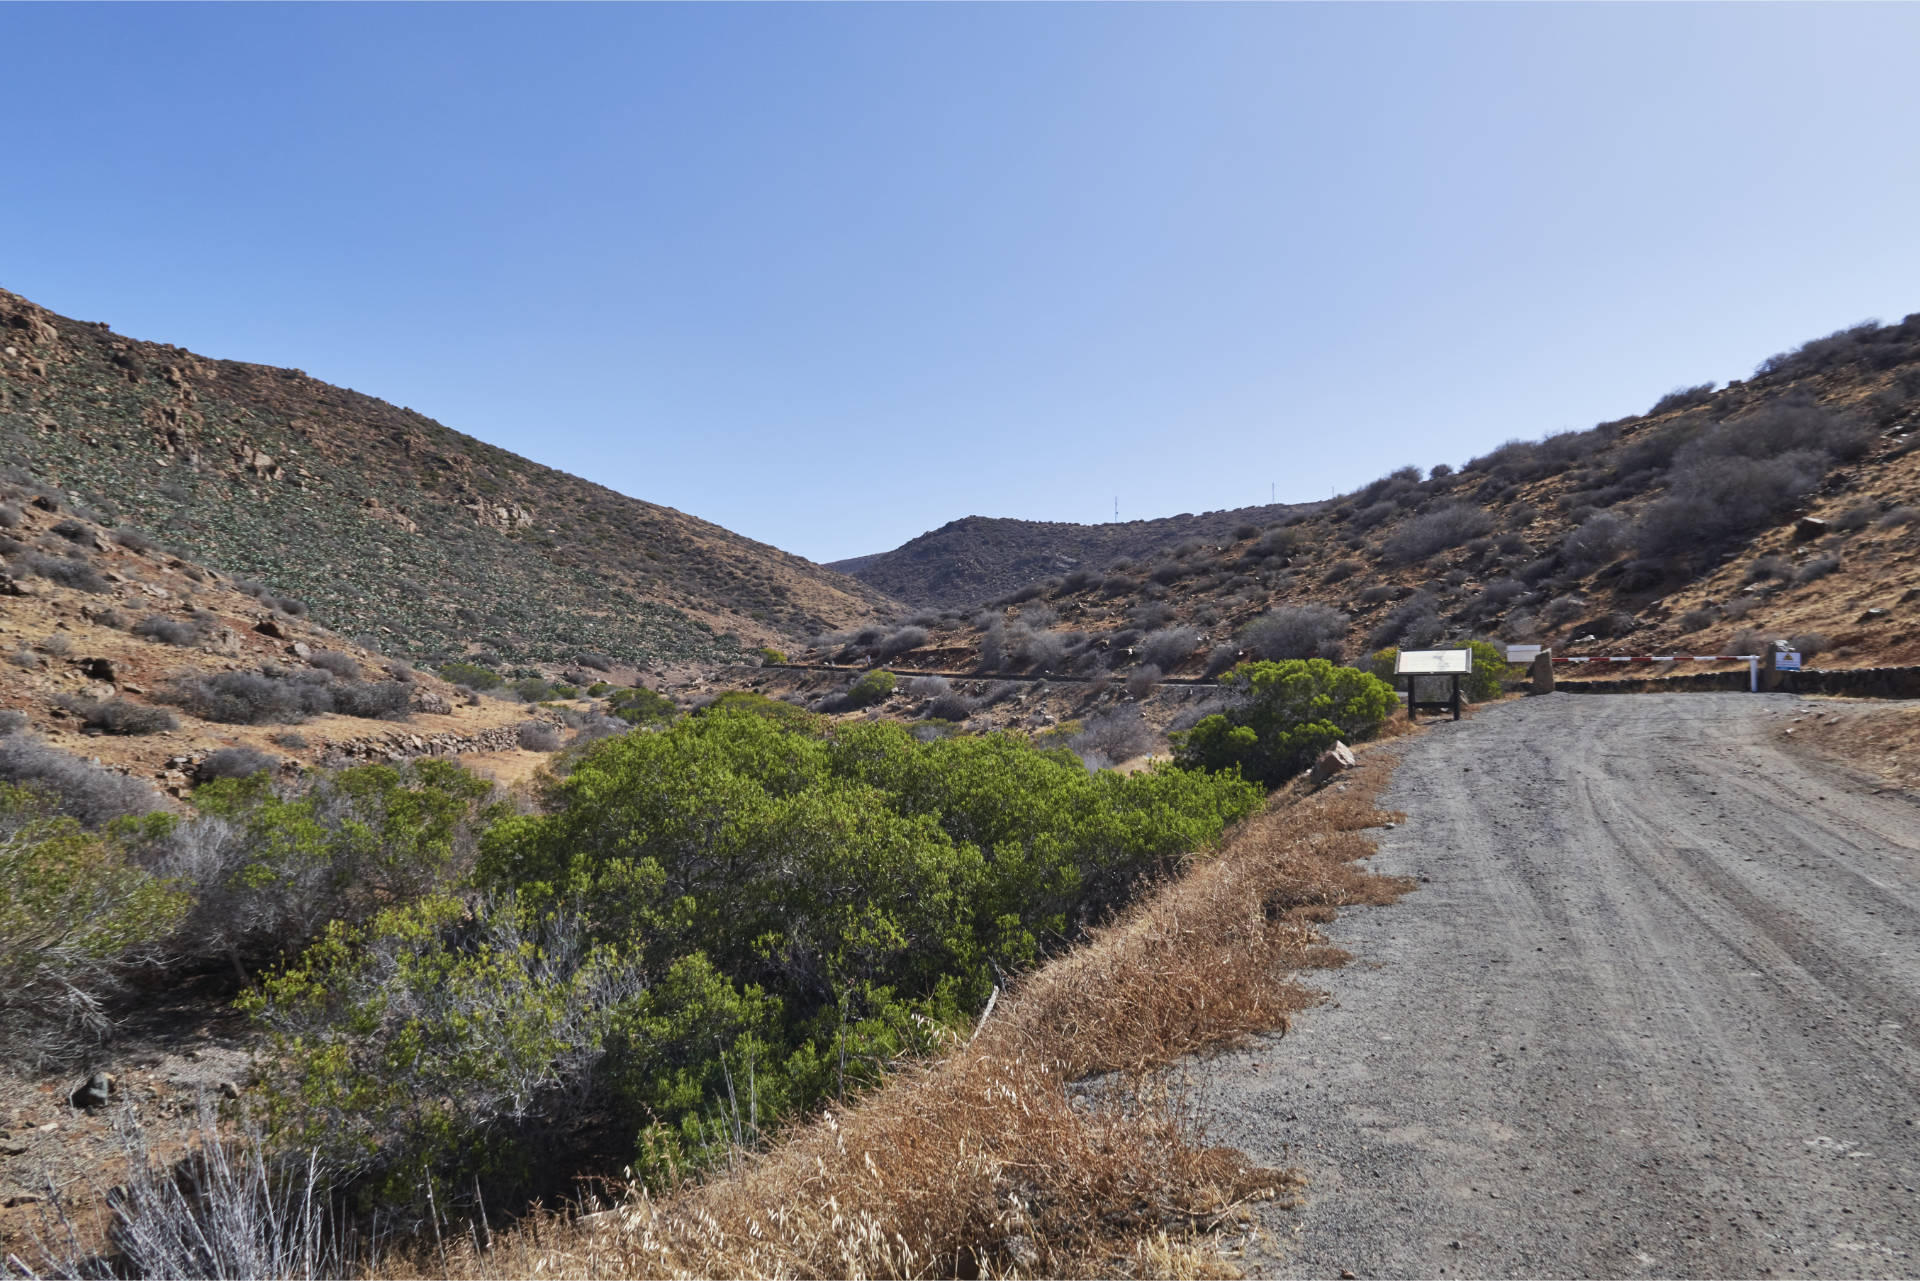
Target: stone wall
[(1852, 682), (398, 745)]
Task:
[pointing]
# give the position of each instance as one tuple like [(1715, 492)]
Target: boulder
[(1808, 528), (270, 627), (425, 700), (1337, 759)]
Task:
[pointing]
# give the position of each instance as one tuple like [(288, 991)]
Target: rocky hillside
[(383, 520), (979, 557), (1786, 505)]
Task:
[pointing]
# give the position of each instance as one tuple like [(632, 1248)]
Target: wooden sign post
[(1415, 663)]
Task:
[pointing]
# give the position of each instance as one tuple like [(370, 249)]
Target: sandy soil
[(1655, 1011)]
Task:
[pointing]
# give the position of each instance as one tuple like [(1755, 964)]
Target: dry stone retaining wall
[(400, 745)]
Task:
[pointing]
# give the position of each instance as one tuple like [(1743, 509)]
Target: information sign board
[(1522, 654), (1433, 662)]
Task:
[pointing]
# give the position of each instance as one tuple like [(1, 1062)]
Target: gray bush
[(928, 686), (1412, 624), (537, 736), (250, 698), (1739, 607), (1341, 570), (1562, 610), (234, 762), (1434, 531), (9, 516), (226, 1205), (118, 715), (899, 642), (1748, 640), (1150, 614), (1817, 568), (168, 630), (1043, 651), (1112, 736), (1595, 543), (1169, 647), (1897, 516), (949, 707), (134, 540), (92, 794), (335, 662), (67, 571), (1297, 631), (1142, 680)]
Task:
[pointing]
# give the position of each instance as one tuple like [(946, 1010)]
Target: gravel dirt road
[(1654, 1011)]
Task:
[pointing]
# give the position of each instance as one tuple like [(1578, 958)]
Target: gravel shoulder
[(1655, 1010)]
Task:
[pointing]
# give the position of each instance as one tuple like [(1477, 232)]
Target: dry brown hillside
[(121, 654), (385, 521), (1785, 505)]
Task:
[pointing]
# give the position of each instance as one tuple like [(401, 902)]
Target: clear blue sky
[(832, 276)]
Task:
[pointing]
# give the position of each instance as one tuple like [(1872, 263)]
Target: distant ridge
[(976, 558)]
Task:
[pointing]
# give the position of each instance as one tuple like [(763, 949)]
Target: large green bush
[(797, 911), (1286, 715)]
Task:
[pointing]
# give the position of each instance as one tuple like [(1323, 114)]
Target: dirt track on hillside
[(1655, 1011)]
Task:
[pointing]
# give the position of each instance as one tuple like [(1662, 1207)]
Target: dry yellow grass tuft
[(1050, 1144)]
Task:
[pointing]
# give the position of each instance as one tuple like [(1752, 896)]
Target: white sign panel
[(1787, 661), (1522, 653), (1433, 662)]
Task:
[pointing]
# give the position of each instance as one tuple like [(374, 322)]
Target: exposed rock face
[(501, 515)]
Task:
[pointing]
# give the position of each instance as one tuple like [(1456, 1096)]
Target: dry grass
[(1050, 1144)]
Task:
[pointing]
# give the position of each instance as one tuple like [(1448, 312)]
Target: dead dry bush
[(1004, 1159)]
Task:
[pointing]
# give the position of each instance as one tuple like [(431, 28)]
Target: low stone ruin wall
[(399, 745)]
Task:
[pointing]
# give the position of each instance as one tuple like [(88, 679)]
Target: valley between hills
[(315, 714)]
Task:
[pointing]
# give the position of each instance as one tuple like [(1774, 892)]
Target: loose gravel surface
[(1654, 1011)]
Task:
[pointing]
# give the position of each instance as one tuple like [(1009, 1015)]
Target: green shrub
[(471, 675), (1286, 715), (771, 655), (284, 859), (875, 687), (785, 715), (75, 908), (437, 1044), (642, 706)]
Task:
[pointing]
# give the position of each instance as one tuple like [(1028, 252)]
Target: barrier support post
[(1541, 676)]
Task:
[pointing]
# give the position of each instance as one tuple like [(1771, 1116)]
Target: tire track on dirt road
[(1654, 1011)]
